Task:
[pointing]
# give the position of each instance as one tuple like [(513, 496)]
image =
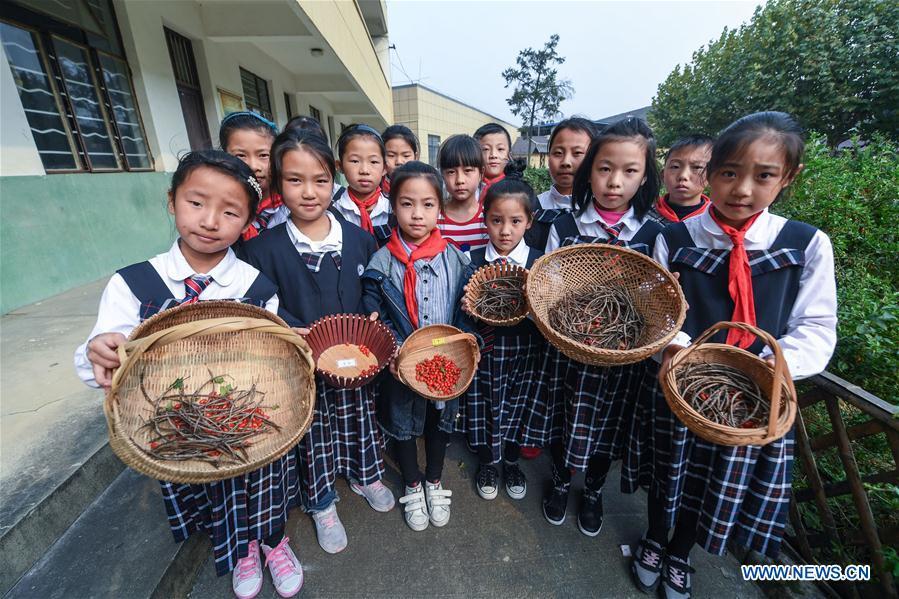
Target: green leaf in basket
[(218, 380), (226, 389), (178, 384)]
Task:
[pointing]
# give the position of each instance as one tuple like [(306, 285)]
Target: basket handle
[(781, 372), (131, 350), (468, 337)]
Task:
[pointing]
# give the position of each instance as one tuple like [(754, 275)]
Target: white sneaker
[(329, 529), (376, 494), (287, 573), (246, 579), (416, 512), (438, 503)]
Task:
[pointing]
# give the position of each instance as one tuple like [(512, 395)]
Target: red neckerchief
[(488, 182), (739, 281), (363, 205), (433, 245), (260, 222), (665, 210), (385, 185)]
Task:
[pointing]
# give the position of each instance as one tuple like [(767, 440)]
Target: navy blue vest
[(155, 296), (306, 296), (525, 327), (704, 274), (538, 234), (643, 241)]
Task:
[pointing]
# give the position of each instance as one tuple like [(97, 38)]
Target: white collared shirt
[(518, 256), (588, 226), (280, 215), (553, 200), (811, 327), (333, 241), (379, 215), (120, 309)]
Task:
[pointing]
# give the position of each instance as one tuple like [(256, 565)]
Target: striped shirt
[(433, 291), (468, 235)]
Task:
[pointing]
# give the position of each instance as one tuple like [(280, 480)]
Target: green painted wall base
[(61, 231)]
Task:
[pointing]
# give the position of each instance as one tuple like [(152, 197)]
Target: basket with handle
[(479, 285), (654, 291), (248, 344), (339, 344), (429, 341), (775, 384)]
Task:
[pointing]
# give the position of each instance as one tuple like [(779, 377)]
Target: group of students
[(264, 221)]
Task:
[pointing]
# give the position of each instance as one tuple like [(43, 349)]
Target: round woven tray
[(341, 366), (775, 384), (479, 284), (249, 344), (425, 343), (656, 295)]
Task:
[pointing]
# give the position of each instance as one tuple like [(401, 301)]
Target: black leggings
[(685, 529), (435, 451), (511, 453), (597, 468)]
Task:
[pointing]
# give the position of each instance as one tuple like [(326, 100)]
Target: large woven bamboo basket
[(335, 343), (427, 342), (655, 292), (479, 285), (249, 344), (775, 383)]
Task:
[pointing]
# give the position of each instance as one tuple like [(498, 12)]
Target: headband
[(258, 117), (364, 129)]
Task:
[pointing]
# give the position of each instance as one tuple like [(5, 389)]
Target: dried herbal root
[(599, 316), (500, 298), (723, 395), (215, 424)]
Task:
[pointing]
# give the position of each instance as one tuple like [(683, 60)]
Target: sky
[(617, 53)]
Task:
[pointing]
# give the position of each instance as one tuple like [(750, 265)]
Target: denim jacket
[(401, 411)]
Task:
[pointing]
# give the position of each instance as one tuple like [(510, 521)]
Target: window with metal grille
[(315, 113), (76, 93), (433, 148), (255, 93)]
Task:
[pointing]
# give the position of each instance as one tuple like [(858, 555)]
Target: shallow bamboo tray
[(425, 343)]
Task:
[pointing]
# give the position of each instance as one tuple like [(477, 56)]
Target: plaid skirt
[(542, 421), (647, 451), (236, 511), (507, 378), (740, 494), (343, 439), (599, 404)]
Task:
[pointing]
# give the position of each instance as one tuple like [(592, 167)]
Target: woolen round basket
[(655, 293), (775, 383), (248, 344), (427, 342), (479, 285), (347, 366)]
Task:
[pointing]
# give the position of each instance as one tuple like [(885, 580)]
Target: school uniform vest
[(525, 327), (155, 296), (538, 234), (382, 232), (306, 295), (643, 241), (704, 276)]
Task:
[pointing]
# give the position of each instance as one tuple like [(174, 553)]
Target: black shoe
[(488, 486), (555, 504), (589, 519), (677, 581), (516, 483), (647, 565)]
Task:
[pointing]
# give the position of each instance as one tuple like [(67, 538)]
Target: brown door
[(181, 53)]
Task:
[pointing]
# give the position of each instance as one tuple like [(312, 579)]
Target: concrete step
[(120, 546)]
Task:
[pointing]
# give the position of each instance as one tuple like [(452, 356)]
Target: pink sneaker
[(246, 579), (287, 573)]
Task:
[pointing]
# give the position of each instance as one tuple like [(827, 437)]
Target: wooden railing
[(878, 418)]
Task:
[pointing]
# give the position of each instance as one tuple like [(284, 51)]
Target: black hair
[(306, 123), (292, 139), (460, 150), (575, 123), (244, 120), (359, 130), (737, 136), (630, 128), (414, 169), (514, 186), (490, 129), (690, 141), (401, 132), (226, 164)]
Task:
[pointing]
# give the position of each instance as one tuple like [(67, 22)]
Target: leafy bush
[(538, 178)]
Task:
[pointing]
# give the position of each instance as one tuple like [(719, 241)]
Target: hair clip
[(255, 185), (255, 115)]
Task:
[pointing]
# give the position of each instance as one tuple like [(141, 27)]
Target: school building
[(100, 97), (433, 116)]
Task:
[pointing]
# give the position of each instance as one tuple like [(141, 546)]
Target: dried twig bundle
[(599, 316)]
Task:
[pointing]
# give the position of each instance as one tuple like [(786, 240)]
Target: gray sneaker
[(647, 565), (677, 581), (329, 529)]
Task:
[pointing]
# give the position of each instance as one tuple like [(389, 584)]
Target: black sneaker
[(555, 504), (647, 565), (516, 483), (677, 582), (487, 481), (589, 519)]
